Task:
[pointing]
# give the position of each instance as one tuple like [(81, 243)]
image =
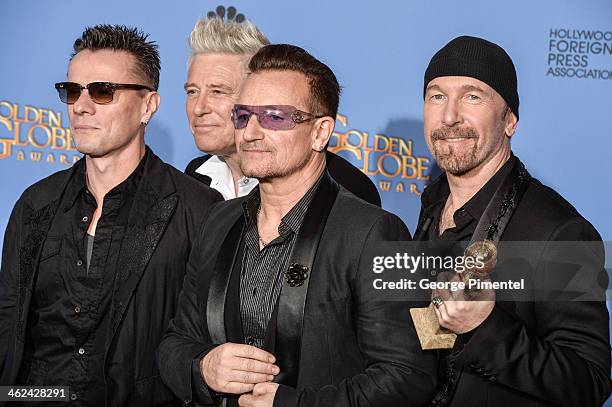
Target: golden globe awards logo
[(37, 134), (583, 54), (381, 156)]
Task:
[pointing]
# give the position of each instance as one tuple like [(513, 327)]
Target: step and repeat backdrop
[(379, 52), (562, 51)]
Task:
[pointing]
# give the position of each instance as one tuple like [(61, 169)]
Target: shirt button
[(79, 263), (246, 181), (81, 351), (85, 219), (77, 309), (73, 396)]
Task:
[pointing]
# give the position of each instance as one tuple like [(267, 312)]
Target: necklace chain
[(263, 243)]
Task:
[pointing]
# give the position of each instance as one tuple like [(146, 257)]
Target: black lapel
[(425, 218), (204, 179), (504, 201), (290, 316), (228, 260), (37, 222), (194, 165), (150, 213)]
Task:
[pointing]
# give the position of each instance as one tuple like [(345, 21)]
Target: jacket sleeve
[(9, 288), (187, 340), (565, 360), (396, 371)]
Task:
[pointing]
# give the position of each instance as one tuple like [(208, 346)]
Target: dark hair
[(324, 87), (122, 38)]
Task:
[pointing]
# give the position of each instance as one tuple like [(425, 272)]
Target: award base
[(430, 333)]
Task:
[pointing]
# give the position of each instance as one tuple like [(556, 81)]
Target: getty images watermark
[(436, 264), (521, 271)]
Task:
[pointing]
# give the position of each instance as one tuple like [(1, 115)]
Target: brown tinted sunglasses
[(100, 92)]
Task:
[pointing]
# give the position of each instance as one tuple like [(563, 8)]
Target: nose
[(202, 105), (451, 114), (84, 104)]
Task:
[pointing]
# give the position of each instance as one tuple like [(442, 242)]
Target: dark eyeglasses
[(271, 117), (100, 92)]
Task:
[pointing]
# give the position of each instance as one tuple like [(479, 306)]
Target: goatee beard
[(449, 158)]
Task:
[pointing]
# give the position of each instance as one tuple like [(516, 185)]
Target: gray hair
[(217, 36)]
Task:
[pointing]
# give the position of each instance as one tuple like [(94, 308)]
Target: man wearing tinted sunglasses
[(272, 311), (220, 51), (94, 256)]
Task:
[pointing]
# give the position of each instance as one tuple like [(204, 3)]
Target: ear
[(151, 105), (510, 123), (321, 132)]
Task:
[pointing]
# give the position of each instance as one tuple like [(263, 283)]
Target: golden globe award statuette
[(431, 334)]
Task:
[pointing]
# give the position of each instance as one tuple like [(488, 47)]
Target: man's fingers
[(237, 388), (252, 365), (264, 388), (442, 314), (242, 376), (251, 352), (246, 400)]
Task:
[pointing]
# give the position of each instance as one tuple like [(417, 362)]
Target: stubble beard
[(267, 169), (456, 160)]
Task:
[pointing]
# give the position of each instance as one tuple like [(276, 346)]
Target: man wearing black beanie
[(544, 349)]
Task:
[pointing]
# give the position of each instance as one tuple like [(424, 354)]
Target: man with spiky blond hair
[(217, 66), (220, 51)]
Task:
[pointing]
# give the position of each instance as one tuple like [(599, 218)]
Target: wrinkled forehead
[(214, 66), (460, 84), (267, 88), (104, 65)]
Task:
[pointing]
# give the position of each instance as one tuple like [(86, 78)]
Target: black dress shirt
[(261, 277), (67, 329), (466, 218)]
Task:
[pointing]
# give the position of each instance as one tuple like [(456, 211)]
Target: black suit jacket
[(545, 351), (167, 209), (345, 173), (351, 351)]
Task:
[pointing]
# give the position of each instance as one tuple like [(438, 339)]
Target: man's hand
[(235, 368), (462, 311), (263, 396)]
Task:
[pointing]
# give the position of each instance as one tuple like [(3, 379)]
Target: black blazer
[(351, 351), (540, 352), (167, 209), (345, 173)]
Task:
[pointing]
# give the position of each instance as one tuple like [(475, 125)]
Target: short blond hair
[(218, 36)]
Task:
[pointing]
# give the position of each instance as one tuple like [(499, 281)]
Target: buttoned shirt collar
[(123, 191), (434, 198)]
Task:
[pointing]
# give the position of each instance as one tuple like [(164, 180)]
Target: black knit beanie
[(479, 59)]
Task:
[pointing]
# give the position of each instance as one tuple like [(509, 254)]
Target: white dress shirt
[(221, 178)]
